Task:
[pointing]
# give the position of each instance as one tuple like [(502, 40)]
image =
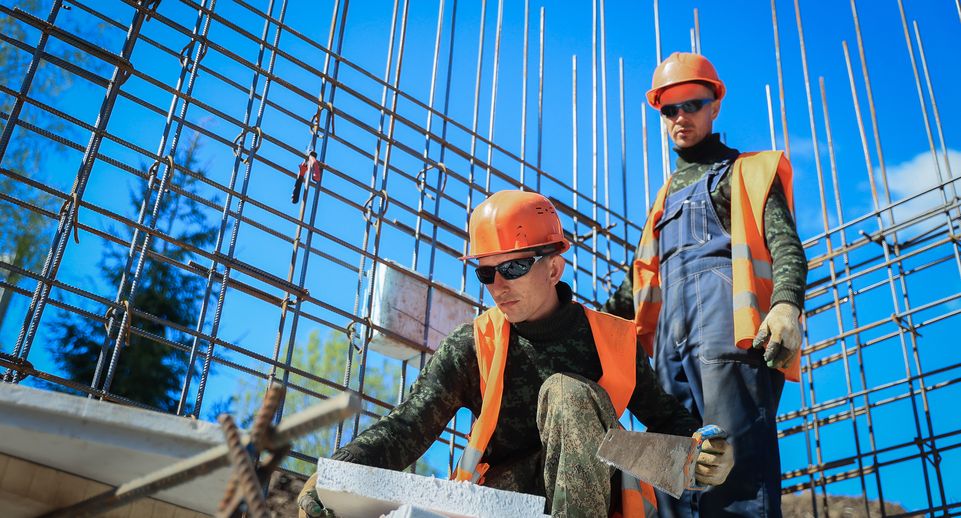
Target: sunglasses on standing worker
[(690, 106), (509, 270)]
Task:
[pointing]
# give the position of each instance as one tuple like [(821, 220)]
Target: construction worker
[(717, 287), (544, 376)]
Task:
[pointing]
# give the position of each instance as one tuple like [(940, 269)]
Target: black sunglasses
[(691, 106), (509, 270)]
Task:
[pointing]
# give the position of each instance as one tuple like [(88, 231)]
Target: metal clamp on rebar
[(185, 60), (155, 168), (150, 6), (421, 178), (878, 239), (904, 326), (72, 206), (369, 204), (254, 146), (315, 120), (351, 332)]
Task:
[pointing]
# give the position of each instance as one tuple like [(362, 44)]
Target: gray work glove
[(715, 459), (310, 506), (780, 335)]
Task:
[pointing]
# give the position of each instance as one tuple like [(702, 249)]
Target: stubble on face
[(687, 129)]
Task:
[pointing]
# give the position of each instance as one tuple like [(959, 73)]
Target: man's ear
[(715, 109), (557, 268)]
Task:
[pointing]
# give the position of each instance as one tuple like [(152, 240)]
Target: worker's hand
[(310, 506), (714, 462), (780, 335)]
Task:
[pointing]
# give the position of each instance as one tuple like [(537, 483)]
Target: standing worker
[(544, 376), (717, 287)]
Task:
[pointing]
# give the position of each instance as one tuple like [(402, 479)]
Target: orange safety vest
[(752, 176), (616, 342)]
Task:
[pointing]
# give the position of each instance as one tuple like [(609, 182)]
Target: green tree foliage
[(325, 359), (148, 371)]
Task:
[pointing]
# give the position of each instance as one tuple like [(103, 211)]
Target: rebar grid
[(249, 80)]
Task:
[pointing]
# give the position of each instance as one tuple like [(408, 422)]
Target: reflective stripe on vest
[(616, 343), (752, 176)]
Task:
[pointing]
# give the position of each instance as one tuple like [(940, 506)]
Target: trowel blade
[(664, 461)]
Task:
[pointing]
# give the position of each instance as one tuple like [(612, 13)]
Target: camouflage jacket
[(787, 254), (451, 380)]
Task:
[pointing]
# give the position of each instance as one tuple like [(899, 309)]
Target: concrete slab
[(105, 442), (354, 491)]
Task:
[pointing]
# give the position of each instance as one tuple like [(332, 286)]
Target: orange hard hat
[(511, 221), (683, 67)]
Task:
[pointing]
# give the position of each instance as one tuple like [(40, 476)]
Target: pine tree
[(148, 371)]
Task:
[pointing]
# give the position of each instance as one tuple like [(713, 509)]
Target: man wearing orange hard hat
[(544, 377), (717, 286)]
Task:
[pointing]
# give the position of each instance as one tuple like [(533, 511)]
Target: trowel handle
[(711, 431)]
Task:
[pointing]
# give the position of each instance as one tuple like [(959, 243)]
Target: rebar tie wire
[(71, 205), (369, 205), (126, 328), (185, 60), (315, 128), (254, 146), (421, 179)]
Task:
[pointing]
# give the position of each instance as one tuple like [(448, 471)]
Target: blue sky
[(737, 36)]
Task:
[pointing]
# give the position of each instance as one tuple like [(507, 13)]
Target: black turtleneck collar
[(556, 325), (707, 151)]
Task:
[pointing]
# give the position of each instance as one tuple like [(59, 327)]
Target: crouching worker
[(544, 376)]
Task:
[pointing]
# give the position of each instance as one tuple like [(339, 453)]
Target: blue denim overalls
[(695, 358)]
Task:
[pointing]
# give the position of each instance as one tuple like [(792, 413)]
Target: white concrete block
[(400, 306), (411, 511), (355, 491), (106, 442)]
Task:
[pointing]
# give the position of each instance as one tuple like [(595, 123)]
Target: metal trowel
[(666, 462)]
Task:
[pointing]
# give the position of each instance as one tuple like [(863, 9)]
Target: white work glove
[(714, 462), (310, 506), (780, 335)]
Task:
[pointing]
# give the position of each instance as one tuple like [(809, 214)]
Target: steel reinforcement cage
[(261, 84)]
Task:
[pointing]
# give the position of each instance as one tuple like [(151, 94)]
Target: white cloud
[(918, 175)]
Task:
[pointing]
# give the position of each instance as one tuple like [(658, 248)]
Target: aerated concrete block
[(409, 511), (355, 491)]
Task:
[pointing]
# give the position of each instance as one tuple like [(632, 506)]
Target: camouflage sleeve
[(621, 301), (787, 254), (658, 410), (403, 435)]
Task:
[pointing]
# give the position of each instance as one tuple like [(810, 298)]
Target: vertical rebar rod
[(574, 184), (900, 266), (328, 96), (441, 178), (67, 221), (647, 164), (697, 32), (665, 151), (226, 213), (473, 135), (780, 80), (494, 78), (620, 76), (606, 147), (770, 115), (819, 172), (838, 317), (14, 116), (593, 149), (523, 161), (164, 170), (934, 109), (391, 115), (540, 99), (870, 172)]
